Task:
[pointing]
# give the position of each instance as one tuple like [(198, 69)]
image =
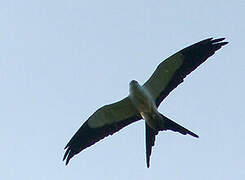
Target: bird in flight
[(143, 101)]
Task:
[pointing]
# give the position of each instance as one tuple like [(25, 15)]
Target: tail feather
[(150, 136), (168, 124)]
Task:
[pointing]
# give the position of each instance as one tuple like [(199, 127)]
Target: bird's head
[(133, 85)]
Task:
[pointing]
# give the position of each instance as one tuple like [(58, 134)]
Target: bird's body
[(143, 101)]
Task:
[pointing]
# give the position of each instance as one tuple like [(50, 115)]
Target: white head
[(133, 85)]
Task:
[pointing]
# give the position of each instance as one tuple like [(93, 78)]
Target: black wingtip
[(68, 159), (208, 39), (214, 41), (148, 162), (66, 146), (193, 134), (219, 41), (68, 155)]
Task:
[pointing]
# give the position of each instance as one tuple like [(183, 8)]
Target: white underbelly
[(142, 100), (144, 103), (151, 119)]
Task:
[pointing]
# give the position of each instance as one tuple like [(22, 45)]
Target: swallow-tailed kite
[(143, 101)]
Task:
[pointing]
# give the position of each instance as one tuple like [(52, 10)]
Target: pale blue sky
[(61, 60)]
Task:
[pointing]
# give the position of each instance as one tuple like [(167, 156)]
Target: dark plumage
[(194, 55)]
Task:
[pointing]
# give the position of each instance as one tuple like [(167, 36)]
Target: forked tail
[(163, 124)]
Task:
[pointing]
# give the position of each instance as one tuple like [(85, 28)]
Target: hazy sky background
[(61, 60)]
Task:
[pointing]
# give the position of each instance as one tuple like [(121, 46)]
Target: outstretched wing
[(172, 71), (105, 121)]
